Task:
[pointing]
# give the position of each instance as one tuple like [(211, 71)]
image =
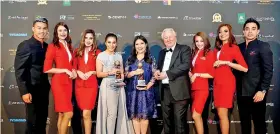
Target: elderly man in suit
[(174, 84)]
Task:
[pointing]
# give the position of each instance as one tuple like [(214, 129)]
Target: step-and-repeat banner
[(128, 19)]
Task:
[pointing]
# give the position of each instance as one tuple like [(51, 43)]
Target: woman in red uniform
[(86, 82), (202, 69), (226, 51), (59, 52)]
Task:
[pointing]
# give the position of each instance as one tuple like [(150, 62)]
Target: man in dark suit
[(33, 84), (253, 86), (174, 84)]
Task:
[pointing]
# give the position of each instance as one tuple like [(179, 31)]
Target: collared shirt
[(67, 50), (86, 55), (166, 64)]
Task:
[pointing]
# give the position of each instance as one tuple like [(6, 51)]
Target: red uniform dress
[(224, 81), (86, 90), (61, 84), (200, 87)]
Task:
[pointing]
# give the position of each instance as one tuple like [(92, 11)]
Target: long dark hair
[(231, 40), (206, 43), (82, 45), (55, 36), (133, 56)]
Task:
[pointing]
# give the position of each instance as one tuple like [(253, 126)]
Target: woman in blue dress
[(141, 103)]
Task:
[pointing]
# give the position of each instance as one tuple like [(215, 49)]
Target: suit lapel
[(174, 55)]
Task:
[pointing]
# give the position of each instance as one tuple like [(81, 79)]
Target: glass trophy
[(141, 83), (117, 65)]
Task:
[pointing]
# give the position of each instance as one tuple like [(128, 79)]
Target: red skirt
[(86, 97), (199, 98)]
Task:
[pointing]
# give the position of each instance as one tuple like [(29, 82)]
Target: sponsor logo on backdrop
[(98, 35), (270, 104), (1, 120), (212, 35), (1, 35), (16, 17), (192, 18), (66, 17), (167, 2), (66, 3), (15, 103), (14, 120), (240, 1), (142, 1), (92, 16), (217, 17), (159, 34), (42, 2), (262, 19), (117, 34), (13, 86), (210, 121), (1, 69), (145, 34), (241, 18), (167, 17), (215, 1), (198, 1), (266, 35), (18, 34), (238, 35), (18, 1), (188, 34), (38, 17), (12, 51), (116, 17), (12, 70), (117, 0), (92, 0), (142, 17), (265, 2)]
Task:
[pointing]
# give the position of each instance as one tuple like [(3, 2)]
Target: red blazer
[(203, 65), (223, 74), (60, 58), (79, 64)]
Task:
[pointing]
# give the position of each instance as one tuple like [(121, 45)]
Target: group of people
[(127, 96)]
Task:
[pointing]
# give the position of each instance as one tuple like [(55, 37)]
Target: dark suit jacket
[(258, 57), (180, 64), (28, 65)]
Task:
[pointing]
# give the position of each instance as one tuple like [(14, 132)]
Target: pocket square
[(252, 53)]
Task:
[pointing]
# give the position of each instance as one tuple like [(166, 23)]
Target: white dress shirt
[(67, 50), (86, 55), (166, 64)]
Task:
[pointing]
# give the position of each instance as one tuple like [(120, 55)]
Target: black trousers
[(37, 111), (249, 110), (174, 113)]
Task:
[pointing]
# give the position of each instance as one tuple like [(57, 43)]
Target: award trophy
[(141, 83), (117, 65)]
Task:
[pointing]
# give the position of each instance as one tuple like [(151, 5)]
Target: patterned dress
[(141, 104)]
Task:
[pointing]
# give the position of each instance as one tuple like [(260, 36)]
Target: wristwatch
[(264, 91)]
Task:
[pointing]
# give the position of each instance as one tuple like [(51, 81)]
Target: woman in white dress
[(111, 112)]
